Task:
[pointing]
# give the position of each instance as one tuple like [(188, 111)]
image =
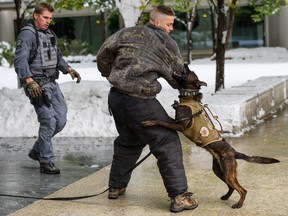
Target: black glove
[(75, 74)]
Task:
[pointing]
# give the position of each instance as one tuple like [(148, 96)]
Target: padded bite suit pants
[(128, 113)]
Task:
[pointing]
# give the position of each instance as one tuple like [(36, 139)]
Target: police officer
[(37, 61)]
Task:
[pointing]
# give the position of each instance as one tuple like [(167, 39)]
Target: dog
[(193, 121)]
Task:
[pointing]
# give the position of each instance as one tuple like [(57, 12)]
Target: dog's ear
[(193, 78), (191, 74), (186, 68)]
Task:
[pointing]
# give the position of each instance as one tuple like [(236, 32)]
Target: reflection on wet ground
[(76, 157), (79, 157)]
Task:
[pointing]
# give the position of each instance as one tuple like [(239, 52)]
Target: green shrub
[(7, 51), (74, 47), (63, 46)]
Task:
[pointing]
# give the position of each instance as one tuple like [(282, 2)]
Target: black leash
[(78, 197)]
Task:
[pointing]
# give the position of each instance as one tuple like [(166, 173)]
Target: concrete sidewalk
[(266, 184)]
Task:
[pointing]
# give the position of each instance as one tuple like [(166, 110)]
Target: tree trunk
[(220, 49), (103, 26), (213, 24), (190, 20), (231, 22), (20, 22), (188, 37)]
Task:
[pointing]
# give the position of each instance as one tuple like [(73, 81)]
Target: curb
[(249, 103)]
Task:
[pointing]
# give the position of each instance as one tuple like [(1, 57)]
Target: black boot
[(34, 155), (114, 193), (49, 168)]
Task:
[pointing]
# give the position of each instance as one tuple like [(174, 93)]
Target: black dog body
[(192, 120)]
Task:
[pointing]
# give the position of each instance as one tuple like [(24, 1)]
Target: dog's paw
[(236, 205), (225, 197)]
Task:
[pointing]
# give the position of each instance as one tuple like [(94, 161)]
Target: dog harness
[(201, 131)]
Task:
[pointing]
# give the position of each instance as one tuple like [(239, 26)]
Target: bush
[(7, 51), (74, 47)]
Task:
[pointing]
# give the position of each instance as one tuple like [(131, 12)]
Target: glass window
[(245, 33), (86, 28)]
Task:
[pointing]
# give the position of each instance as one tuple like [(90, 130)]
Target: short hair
[(161, 10), (39, 8)]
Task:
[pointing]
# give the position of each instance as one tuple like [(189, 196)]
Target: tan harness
[(202, 132)]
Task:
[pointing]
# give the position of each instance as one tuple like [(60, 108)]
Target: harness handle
[(205, 107)]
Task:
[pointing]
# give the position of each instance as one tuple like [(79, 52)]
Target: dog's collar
[(188, 92)]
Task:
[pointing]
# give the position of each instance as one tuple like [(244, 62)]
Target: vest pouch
[(48, 51), (49, 57)]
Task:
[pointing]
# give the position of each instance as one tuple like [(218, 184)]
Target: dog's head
[(188, 80)]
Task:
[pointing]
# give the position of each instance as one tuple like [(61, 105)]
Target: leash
[(78, 197)]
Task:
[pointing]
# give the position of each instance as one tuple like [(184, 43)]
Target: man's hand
[(74, 74), (34, 89), (35, 92)]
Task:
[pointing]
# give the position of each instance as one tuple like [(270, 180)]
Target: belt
[(44, 80)]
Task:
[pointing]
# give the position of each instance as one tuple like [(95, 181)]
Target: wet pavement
[(19, 175), (266, 184)]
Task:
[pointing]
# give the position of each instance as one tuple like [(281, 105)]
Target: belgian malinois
[(193, 121)]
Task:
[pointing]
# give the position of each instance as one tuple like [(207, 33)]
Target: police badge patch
[(204, 132), (19, 43)]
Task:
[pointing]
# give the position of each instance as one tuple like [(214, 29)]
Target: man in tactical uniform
[(132, 60), (37, 61)]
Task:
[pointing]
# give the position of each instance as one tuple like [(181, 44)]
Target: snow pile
[(88, 114)]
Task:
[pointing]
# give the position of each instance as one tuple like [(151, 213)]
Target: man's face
[(42, 21), (165, 22)]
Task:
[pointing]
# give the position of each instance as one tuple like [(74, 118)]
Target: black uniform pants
[(128, 113)]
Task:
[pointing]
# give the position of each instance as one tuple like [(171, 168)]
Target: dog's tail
[(256, 159)]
